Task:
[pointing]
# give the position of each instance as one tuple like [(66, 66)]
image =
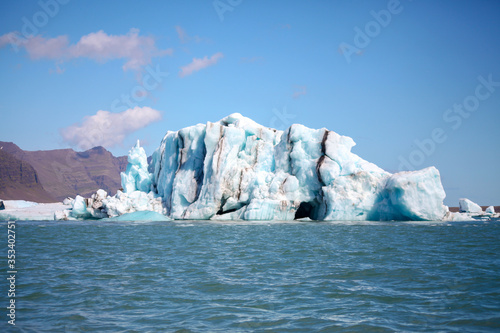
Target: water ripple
[(255, 277)]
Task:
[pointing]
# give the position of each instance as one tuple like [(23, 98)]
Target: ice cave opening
[(306, 209)]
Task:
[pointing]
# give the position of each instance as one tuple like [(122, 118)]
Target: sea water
[(198, 276)]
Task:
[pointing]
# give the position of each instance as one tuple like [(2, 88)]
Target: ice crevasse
[(237, 169)]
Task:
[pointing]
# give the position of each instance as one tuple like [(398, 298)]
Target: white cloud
[(198, 64), (39, 47), (7, 38), (99, 46), (108, 129)]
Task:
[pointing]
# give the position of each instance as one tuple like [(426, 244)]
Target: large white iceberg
[(238, 169)]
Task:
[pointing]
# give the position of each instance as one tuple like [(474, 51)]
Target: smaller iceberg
[(470, 211), (418, 195), (467, 206), (135, 197), (79, 209)]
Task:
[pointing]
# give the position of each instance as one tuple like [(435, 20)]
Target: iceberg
[(470, 211), (237, 169), (468, 206), (417, 195), (490, 210), (135, 197), (79, 208)]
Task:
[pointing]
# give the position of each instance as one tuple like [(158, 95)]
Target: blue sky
[(414, 83)]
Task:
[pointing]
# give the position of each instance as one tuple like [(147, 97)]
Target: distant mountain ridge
[(61, 172), (19, 180)]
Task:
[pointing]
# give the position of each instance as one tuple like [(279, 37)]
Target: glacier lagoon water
[(256, 277)]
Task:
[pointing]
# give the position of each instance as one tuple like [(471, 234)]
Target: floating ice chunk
[(100, 195), (467, 206), (95, 205), (458, 217), (490, 210), (80, 208), (62, 215), (417, 195), (68, 201), (123, 203)]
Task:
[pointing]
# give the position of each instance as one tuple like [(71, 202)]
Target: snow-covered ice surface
[(17, 204), (20, 210)]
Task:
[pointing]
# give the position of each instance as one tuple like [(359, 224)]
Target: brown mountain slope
[(19, 181), (64, 172)]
